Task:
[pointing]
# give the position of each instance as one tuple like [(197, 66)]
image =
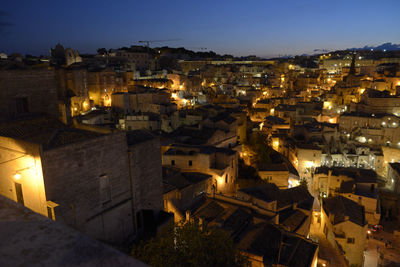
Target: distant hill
[(385, 46)]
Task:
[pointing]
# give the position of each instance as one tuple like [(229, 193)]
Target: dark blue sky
[(261, 27)]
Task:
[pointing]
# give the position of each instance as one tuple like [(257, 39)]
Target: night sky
[(257, 27)]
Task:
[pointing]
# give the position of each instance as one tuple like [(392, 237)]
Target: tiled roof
[(284, 197), (278, 247), (359, 175), (341, 207)]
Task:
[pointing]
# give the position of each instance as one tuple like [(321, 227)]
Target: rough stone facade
[(146, 173), (28, 91), (90, 183)]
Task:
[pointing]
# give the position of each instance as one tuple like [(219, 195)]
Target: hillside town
[(296, 159)]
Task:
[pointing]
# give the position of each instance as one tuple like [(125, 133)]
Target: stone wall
[(146, 172), (89, 181), (37, 86)]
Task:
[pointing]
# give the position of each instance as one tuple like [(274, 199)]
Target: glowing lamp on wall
[(220, 180), (17, 176)]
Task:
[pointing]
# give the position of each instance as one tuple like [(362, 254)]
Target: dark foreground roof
[(30, 239)]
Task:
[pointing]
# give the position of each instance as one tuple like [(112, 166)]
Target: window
[(190, 163), (173, 162), (226, 178), (22, 105), (350, 240), (105, 189)]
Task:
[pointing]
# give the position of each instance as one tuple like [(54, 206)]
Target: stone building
[(344, 225), (69, 175), (143, 100), (255, 230), (22, 92), (102, 83), (393, 176), (146, 177), (85, 179), (221, 163), (180, 189), (293, 206)]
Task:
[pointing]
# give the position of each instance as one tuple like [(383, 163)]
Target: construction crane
[(148, 42)]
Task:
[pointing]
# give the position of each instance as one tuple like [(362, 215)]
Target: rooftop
[(30, 239), (359, 175), (278, 247), (48, 132), (342, 207)]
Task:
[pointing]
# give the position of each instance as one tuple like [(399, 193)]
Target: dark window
[(173, 162), (190, 163), (350, 240), (226, 178), (22, 105)]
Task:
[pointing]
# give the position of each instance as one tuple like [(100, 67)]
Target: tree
[(259, 145), (189, 245)]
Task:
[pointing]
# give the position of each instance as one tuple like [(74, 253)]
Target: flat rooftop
[(30, 239)]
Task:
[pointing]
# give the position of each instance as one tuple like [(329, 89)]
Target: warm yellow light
[(331, 120), (174, 95), (272, 111), (17, 176), (309, 164), (327, 105), (362, 90), (265, 93), (261, 126)]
